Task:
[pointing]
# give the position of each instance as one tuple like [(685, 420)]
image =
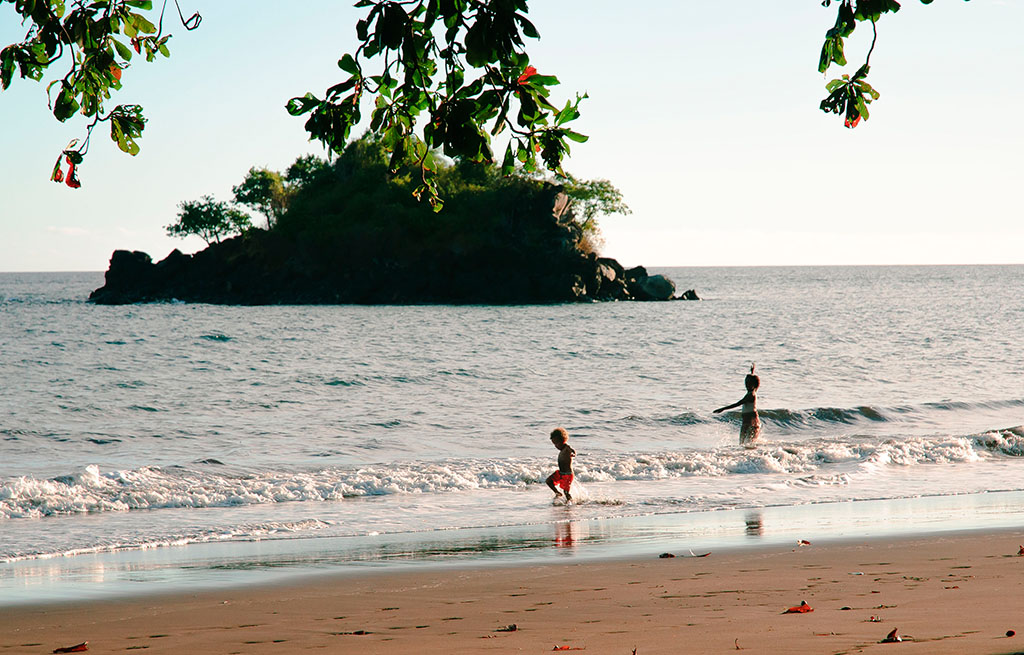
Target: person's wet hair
[(560, 434)]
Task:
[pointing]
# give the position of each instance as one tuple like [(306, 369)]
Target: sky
[(704, 114)]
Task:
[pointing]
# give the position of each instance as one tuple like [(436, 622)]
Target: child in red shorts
[(563, 476)]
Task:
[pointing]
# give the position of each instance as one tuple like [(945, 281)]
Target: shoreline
[(948, 593), (146, 573)]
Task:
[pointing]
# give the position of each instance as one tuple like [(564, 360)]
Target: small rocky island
[(349, 238)]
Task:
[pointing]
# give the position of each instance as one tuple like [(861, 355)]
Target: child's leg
[(551, 483), (751, 429)]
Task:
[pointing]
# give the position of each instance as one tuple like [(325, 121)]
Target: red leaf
[(527, 74), (57, 175), (72, 181)]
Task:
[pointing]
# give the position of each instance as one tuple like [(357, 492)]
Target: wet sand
[(951, 593)]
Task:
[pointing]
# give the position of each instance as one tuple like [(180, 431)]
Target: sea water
[(320, 435)]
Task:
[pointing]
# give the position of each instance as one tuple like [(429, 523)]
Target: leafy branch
[(92, 34), (426, 49), (850, 96)]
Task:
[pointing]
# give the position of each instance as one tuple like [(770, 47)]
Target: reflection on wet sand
[(755, 525), (565, 534)]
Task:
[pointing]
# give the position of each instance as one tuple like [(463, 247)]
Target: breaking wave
[(829, 461)]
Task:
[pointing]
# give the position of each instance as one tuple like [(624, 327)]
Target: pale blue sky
[(703, 114)]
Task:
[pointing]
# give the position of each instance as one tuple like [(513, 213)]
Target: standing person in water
[(750, 431), (563, 476)]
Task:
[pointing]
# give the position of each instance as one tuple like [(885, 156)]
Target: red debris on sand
[(569, 648), (803, 542), (892, 637), (77, 648), (802, 608)]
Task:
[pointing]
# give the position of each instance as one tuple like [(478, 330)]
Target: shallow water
[(142, 426)]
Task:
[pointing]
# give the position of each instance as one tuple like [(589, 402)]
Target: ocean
[(175, 445)]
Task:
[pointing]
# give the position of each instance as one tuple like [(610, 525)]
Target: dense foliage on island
[(351, 231)]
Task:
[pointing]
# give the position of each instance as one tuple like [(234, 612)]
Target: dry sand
[(944, 594)]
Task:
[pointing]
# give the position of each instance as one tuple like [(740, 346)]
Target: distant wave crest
[(816, 416)]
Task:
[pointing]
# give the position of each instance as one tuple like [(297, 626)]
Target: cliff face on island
[(532, 253)]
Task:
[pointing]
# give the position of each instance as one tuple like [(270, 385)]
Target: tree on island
[(208, 219), (461, 64), (263, 190), (327, 199)]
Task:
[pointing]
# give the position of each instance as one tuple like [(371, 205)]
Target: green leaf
[(66, 105), (543, 80), (6, 68), (348, 64), (527, 27), (576, 136), (299, 106), (142, 24), (391, 25), (338, 89), (508, 165), (122, 50)]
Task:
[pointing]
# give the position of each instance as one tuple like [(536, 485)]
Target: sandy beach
[(957, 593)]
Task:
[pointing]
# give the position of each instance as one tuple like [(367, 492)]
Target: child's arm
[(735, 404)]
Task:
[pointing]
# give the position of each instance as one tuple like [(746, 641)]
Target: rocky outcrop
[(537, 258)]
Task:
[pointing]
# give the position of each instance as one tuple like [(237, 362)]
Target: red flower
[(72, 179), (527, 74), (137, 45), (853, 123)]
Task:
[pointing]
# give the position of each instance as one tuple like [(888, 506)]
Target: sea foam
[(823, 461)]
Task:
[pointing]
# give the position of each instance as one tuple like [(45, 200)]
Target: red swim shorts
[(563, 480)]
